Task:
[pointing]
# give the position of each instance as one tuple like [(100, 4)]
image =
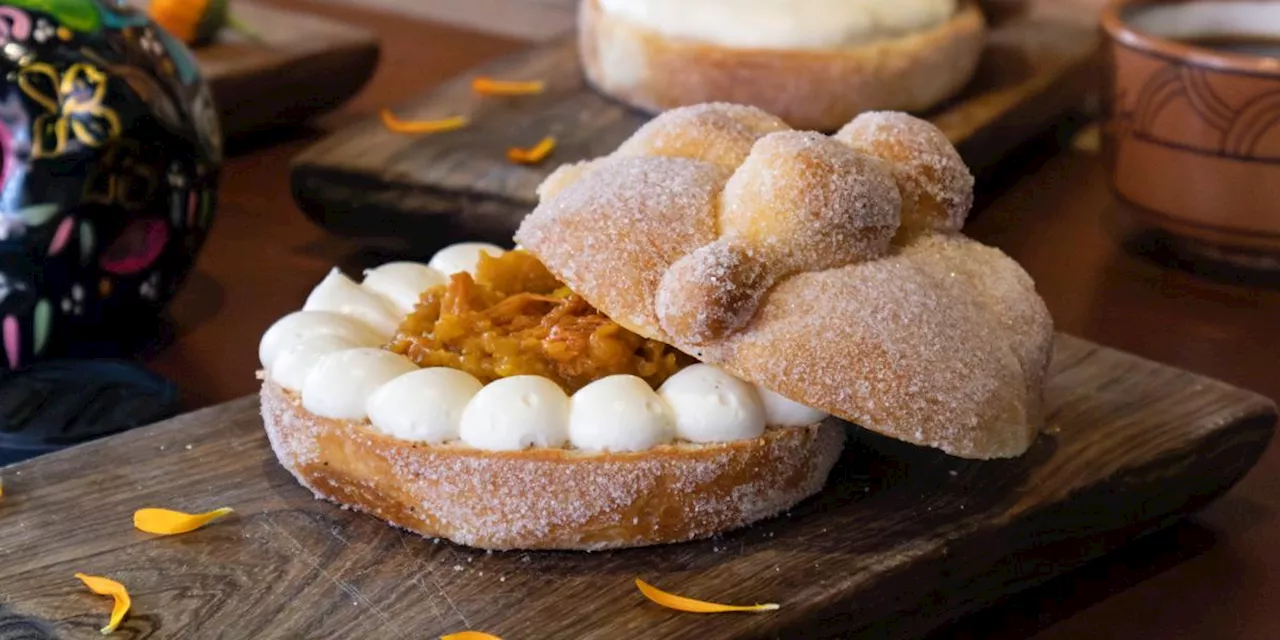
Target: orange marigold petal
[(179, 17), (391, 122), (108, 587), (532, 155), (165, 522), (470, 635), (491, 87), (681, 603)]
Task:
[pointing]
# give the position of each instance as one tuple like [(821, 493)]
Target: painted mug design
[(1193, 140), (109, 160), (1233, 117)]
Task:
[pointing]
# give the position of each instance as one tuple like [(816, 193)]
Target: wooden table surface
[(1050, 209)]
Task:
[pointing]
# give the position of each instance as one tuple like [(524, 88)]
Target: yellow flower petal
[(394, 124), (491, 87), (532, 155), (109, 587), (166, 523), (690, 605), (470, 635)]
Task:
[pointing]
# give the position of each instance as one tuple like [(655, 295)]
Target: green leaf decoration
[(38, 214), (86, 242), (78, 15), (43, 318)]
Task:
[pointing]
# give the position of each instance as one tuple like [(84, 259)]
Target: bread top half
[(829, 269)]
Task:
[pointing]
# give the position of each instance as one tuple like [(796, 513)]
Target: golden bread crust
[(933, 339), (897, 346), (630, 193), (935, 185), (818, 90), (545, 498), (1010, 295)]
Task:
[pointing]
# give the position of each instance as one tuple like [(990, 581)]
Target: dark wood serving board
[(299, 65), (421, 192), (901, 541)]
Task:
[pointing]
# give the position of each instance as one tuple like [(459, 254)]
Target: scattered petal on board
[(108, 587), (166, 522), (681, 603), (491, 87), (391, 122), (533, 155)]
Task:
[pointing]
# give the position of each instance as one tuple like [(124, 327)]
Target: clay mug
[(1192, 136)]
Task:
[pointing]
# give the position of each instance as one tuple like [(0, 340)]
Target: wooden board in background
[(545, 19), (419, 193), (901, 541), (300, 66), (534, 20)]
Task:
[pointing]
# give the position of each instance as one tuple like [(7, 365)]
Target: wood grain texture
[(901, 541), (426, 191), (299, 66), (525, 19)]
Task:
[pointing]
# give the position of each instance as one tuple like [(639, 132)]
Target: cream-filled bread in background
[(814, 63), (790, 24)]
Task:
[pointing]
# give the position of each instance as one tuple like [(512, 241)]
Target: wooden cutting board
[(418, 193), (299, 66), (901, 541)]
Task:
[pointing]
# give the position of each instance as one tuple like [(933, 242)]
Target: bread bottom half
[(550, 498)]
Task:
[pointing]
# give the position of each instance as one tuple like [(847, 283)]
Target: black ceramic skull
[(111, 150)]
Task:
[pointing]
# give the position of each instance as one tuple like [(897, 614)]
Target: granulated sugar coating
[(812, 202), (1007, 290), (711, 292), (563, 176), (935, 340), (718, 133), (550, 498), (936, 186), (612, 234), (893, 348)]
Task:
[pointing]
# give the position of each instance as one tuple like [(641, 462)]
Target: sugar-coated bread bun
[(810, 202), (936, 186), (792, 273), (628, 200), (1007, 290), (562, 177), (711, 292), (719, 133)]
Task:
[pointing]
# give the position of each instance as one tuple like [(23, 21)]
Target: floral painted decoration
[(110, 151)]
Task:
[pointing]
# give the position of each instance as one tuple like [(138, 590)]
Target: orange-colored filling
[(515, 318)]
